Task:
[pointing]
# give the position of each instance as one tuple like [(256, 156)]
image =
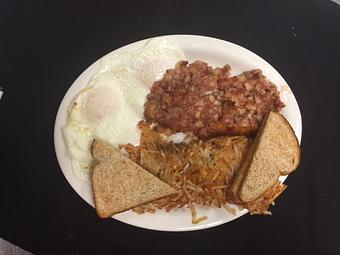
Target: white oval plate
[(216, 52)]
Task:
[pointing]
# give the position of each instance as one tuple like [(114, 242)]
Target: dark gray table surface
[(45, 45)]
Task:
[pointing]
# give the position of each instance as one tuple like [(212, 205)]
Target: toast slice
[(120, 184), (275, 152)]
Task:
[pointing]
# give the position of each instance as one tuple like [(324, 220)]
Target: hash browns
[(202, 171)]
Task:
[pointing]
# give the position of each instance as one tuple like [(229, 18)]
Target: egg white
[(111, 105)]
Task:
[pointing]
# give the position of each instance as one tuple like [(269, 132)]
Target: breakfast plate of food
[(178, 133)]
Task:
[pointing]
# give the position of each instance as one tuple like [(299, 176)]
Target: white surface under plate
[(215, 52)]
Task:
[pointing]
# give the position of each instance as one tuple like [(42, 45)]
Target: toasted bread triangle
[(120, 184), (274, 152)]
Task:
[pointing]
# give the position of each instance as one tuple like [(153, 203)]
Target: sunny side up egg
[(111, 105)]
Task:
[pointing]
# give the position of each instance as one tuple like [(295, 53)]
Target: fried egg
[(111, 105)]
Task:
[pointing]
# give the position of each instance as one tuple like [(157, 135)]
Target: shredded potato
[(201, 171), (261, 205)]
